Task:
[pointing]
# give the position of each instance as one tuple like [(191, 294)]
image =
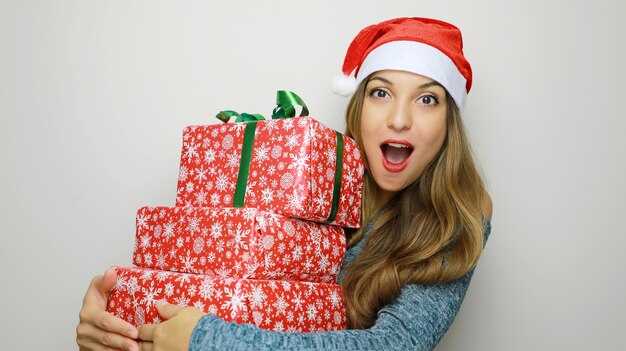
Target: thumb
[(108, 280), (99, 288), (167, 310)]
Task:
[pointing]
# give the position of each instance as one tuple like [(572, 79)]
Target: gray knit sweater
[(416, 320)]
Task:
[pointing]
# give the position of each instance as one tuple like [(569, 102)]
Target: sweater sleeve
[(416, 320)]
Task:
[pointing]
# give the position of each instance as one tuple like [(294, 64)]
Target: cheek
[(366, 124), (369, 131), (434, 135)]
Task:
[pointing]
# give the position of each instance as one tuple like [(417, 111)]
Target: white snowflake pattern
[(295, 201), (151, 295), (189, 187), (257, 296), (280, 305), (199, 305), (160, 260), (271, 169), (311, 312), (190, 151), (192, 290), (201, 198), (144, 241), (147, 259), (132, 285), (221, 183), (278, 326), (200, 174), (297, 301), (330, 156), (168, 232), (261, 153), (216, 230), (235, 302), (182, 174), (207, 288), (182, 300), (209, 156), (297, 253), (239, 238), (267, 196), (193, 225), (292, 140), (287, 124), (183, 279), (334, 298), (300, 162), (142, 220), (232, 160), (188, 262), (215, 199), (169, 289)]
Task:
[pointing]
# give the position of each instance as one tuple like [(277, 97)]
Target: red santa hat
[(425, 46)]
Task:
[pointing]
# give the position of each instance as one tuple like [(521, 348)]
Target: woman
[(425, 210)]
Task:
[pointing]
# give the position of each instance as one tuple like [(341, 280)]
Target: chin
[(393, 187)]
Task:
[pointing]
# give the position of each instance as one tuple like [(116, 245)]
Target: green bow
[(286, 102)]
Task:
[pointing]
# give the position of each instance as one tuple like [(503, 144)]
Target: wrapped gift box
[(237, 242), (269, 304), (287, 165)]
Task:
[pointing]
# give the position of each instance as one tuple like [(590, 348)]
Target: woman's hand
[(174, 332), (98, 329)]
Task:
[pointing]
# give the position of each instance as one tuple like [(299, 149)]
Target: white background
[(94, 96)]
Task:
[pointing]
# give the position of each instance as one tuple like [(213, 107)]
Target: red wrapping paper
[(291, 171), (237, 243), (269, 304)]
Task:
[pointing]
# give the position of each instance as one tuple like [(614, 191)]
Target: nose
[(399, 118)]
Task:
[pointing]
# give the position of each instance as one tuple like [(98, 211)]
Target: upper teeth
[(397, 145)]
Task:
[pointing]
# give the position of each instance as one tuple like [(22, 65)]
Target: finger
[(146, 332), (93, 346), (146, 346), (92, 338), (107, 322), (167, 310)]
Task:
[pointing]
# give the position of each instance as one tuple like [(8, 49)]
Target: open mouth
[(396, 153)]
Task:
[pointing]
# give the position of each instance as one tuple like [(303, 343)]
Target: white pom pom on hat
[(344, 85), (424, 46)]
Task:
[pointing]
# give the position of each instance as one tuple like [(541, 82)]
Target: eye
[(428, 99), (379, 93)]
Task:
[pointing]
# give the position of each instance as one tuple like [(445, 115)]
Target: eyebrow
[(423, 86)]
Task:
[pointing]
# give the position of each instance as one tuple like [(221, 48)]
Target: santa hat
[(425, 46)]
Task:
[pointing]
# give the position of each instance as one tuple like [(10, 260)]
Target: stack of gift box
[(256, 233)]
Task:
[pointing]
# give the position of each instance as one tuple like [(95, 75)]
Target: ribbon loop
[(285, 105), (226, 115)]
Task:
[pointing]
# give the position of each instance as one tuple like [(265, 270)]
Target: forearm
[(417, 320), (213, 333)]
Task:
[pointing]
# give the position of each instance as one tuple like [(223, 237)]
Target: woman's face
[(403, 127)]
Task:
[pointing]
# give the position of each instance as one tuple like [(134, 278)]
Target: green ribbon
[(244, 168), (225, 116), (285, 108), (338, 175), (286, 102)]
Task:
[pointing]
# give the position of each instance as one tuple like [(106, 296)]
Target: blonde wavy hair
[(431, 232)]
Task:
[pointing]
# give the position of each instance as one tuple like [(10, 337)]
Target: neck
[(383, 197)]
